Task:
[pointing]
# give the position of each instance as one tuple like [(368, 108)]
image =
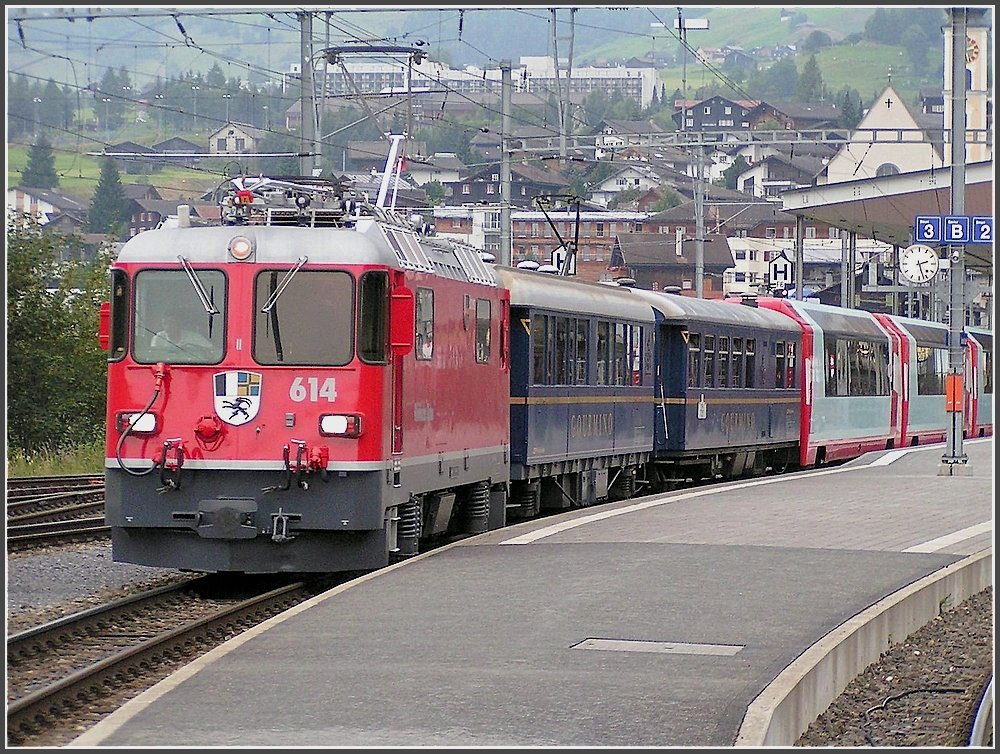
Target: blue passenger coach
[(727, 388), (581, 390)]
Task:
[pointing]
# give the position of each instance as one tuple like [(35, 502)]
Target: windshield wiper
[(273, 298), (198, 287)]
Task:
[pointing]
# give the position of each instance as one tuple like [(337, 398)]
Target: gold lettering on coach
[(736, 422), (592, 425)]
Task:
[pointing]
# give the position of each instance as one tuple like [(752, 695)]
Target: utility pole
[(506, 256), (307, 98), (954, 462), (699, 187), (699, 228), (563, 89), (800, 226)]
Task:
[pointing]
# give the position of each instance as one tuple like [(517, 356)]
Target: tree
[(275, 142), (778, 81), (107, 210), (732, 173), (56, 371), (917, 45), (668, 200), (810, 84), (436, 193), (40, 172), (849, 102), (626, 198)]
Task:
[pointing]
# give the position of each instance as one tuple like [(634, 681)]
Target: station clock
[(918, 263)]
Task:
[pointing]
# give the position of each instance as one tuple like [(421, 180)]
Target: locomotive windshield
[(172, 321), (310, 322)]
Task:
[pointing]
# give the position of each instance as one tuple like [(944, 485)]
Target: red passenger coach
[(849, 404), (311, 386)]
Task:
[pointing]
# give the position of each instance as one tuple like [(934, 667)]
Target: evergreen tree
[(40, 172), (732, 173), (809, 87), (849, 102), (107, 210)]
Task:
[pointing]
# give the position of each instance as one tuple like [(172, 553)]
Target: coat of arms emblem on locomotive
[(237, 396)]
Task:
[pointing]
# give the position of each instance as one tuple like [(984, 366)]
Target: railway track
[(19, 488), (54, 510), (64, 674), (27, 536)]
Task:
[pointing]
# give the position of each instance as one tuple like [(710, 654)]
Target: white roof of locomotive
[(275, 245)]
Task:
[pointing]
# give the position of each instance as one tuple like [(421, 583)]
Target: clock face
[(918, 263), (971, 49)]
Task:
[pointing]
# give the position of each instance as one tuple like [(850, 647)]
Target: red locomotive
[(266, 375)]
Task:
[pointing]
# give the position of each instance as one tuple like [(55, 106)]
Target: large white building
[(534, 74)]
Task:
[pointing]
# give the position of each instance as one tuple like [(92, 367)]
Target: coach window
[(483, 321), (694, 356), (779, 364), (635, 355), (373, 295), (180, 320), (931, 370), (603, 347), (303, 317), (723, 361), (620, 354), (737, 362), (562, 343), (582, 352), (988, 372), (751, 363), (538, 376), (708, 362), (836, 374), (790, 380), (424, 324)]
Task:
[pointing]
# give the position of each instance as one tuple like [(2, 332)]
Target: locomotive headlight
[(340, 425), (141, 424), (241, 248)]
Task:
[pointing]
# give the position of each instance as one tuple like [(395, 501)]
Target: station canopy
[(884, 208)]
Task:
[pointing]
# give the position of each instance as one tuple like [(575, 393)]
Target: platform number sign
[(927, 229), (982, 230), (956, 230), (952, 229)]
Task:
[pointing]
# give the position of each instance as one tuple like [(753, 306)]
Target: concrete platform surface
[(639, 623)]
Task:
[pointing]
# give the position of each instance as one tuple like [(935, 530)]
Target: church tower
[(977, 115)]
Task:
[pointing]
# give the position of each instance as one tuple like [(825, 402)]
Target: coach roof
[(677, 308), (552, 292)]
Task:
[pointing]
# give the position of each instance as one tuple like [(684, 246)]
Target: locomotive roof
[(275, 244), (687, 309), (548, 291)]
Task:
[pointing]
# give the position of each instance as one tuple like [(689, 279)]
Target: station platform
[(653, 622)]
